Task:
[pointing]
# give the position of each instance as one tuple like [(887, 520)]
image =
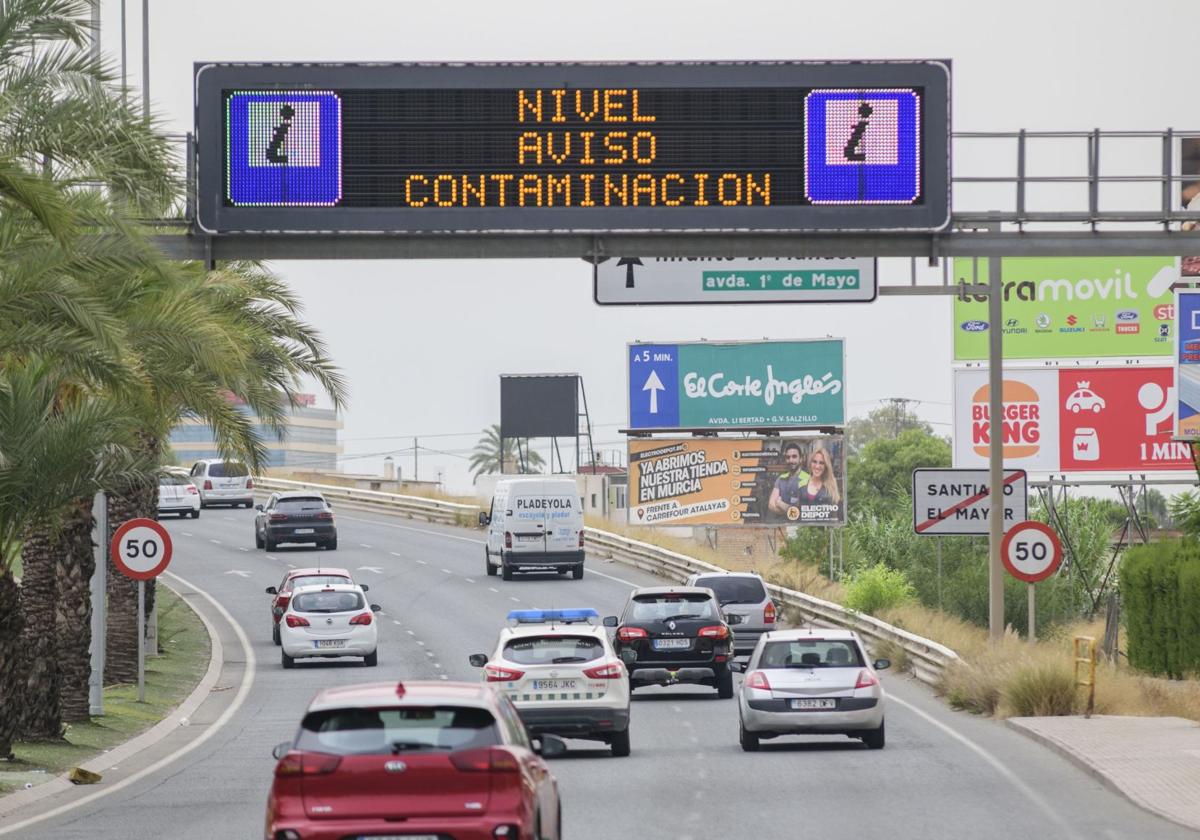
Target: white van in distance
[(534, 523)]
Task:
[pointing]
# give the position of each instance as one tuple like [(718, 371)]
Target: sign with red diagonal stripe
[(959, 501)]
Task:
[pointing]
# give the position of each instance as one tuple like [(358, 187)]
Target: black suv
[(674, 634), (295, 517)]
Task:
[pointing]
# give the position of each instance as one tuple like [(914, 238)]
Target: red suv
[(415, 759), (301, 577)]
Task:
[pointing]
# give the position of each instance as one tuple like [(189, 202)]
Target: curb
[(13, 802), (1095, 772)]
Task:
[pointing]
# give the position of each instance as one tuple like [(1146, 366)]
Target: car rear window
[(735, 590), (299, 505), (327, 602), (356, 731), (811, 653), (553, 650), (227, 469), (316, 580), (173, 480), (664, 607)]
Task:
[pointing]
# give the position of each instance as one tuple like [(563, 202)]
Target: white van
[(534, 522)]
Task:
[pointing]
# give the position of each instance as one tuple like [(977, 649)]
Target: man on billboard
[(786, 493)]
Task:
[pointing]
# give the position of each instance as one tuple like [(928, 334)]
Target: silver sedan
[(811, 682)]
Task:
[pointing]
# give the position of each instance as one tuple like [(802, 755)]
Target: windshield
[(227, 469), (664, 607), (299, 505), (553, 650), (316, 580), (327, 602), (357, 731), (811, 653), (735, 590)]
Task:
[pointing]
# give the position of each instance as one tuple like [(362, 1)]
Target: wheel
[(196, 513), (873, 738), (748, 740), (487, 563), (725, 684), (269, 544), (620, 743), (371, 659), (203, 504), (288, 662), (1075, 408), (275, 634), (577, 572), (1096, 408), (506, 571), (258, 540), (332, 544)]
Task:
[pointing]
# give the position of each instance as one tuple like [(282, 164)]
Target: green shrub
[(971, 689), (877, 588), (1040, 689), (1160, 593)]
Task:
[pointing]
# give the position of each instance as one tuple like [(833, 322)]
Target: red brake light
[(249, 483), (207, 484), (488, 759), (191, 488), (716, 631), (769, 613), (758, 680), (581, 539), (296, 621), (361, 618), (507, 539), (279, 517), (307, 764), (611, 671), (866, 679), (629, 634), (497, 674), (325, 515)]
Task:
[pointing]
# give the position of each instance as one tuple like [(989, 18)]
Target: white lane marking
[(443, 676), (237, 572), (395, 554), (395, 622), (468, 580), (996, 764), (422, 644), (493, 589), (186, 534), (447, 571), (409, 528), (215, 542), (514, 598), (427, 653), (213, 728), (677, 709), (409, 632), (628, 583), (364, 545), (290, 565), (422, 562), (376, 569), (272, 557), (242, 548)]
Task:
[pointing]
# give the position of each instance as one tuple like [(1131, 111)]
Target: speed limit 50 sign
[(141, 549), (1031, 551)]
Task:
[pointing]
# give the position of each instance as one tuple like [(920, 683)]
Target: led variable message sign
[(784, 146)]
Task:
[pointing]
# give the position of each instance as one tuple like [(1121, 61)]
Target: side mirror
[(258, 507), (281, 749), (484, 519), (737, 667), (881, 664), (629, 656), (271, 590), (364, 587), (549, 746), (610, 621), (478, 660), (374, 608)]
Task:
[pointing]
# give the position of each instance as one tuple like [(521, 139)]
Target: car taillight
[(361, 618), (296, 621), (758, 679), (307, 764), (716, 631), (611, 671), (279, 517), (629, 634), (866, 679), (325, 515), (249, 483), (769, 613), (207, 484), (191, 488), (507, 539), (581, 539), (488, 759), (497, 674)]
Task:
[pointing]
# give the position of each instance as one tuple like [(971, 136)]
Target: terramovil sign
[(753, 385), (1070, 308), (960, 501), (571, 147), (1078, 419)]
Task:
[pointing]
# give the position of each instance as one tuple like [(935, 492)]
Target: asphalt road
[(942, 774)]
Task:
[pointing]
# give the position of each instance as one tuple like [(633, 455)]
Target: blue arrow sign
[(654, 386)]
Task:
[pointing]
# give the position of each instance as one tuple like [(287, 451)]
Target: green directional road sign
[(677, 280), (744, 385)]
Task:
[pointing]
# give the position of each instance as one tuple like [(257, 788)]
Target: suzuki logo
[(395, 766)]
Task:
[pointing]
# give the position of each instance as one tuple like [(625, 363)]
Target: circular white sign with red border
[(141, 549), (1031, 551)]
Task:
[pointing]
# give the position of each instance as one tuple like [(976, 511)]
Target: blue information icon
[(862, 146), (283, 148)]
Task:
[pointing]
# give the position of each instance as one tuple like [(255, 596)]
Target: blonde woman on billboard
[(822, 486)]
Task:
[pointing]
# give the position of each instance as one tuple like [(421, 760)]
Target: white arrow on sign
[(238, 572), (376, 569), (653, 385)]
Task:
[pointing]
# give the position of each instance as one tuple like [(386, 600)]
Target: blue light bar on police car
[(551, 616)]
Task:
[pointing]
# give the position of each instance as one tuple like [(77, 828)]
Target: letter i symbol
[(853, 149)]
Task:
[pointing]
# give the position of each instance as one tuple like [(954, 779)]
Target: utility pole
[(899, 411), (145, 59), (416, 449), (995, 450)]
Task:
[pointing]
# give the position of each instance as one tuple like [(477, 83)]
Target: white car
[(559, 669), (329, 620), (811, 682), (178, 494), (1084, 399), (223, 483)]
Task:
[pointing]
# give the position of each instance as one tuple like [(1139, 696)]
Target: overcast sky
[(423, 343)]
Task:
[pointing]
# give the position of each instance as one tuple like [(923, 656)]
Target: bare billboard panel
[(543, 405)]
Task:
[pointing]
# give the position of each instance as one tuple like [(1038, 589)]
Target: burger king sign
[(1028, 423)]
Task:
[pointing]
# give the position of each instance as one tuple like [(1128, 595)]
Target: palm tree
[(516, 457)]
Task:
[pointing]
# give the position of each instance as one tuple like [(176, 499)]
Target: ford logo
[(974, 326), (1127, 315)]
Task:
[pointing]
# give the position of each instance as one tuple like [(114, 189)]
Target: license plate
[(329, 643), (813, 703), (555, 685), (528, 537), (672, 644), (303, 531)]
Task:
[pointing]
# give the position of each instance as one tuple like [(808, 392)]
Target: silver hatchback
[(744, 600), (811, 682)]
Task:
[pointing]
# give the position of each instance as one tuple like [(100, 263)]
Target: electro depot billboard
[(1070, 308), (573, 147)]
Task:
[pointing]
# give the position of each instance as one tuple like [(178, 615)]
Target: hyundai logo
[(1127, 315), (395, 766), (974, 326)]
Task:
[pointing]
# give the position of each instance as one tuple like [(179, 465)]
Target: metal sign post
[(99, 591), (995, 450), (141, 550), (141, 622), (1031, 551)]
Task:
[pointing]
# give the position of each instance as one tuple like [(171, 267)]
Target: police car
[(559, 669)]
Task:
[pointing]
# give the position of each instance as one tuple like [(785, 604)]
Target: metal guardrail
[(927, 659)]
